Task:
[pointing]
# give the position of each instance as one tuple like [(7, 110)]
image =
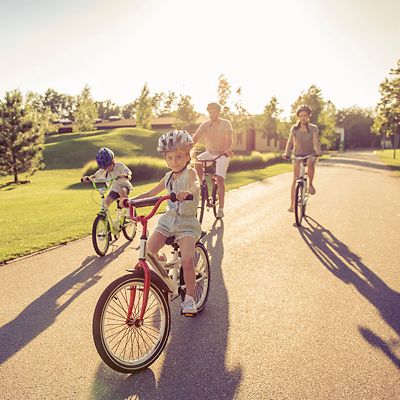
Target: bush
[(151, 168), (254, 161), (143, 168)]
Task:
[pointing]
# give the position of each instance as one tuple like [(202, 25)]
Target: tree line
[(25, 120)]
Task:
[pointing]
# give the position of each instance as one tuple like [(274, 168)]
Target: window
[(239, 138)]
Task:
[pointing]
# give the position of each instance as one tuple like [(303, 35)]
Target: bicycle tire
[(119, 343), (101, 237), (204, 195), (215, 199), (126, 224), (299, 204), (203, 272)]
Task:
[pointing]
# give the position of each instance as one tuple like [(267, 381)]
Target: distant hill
[(74, 150)]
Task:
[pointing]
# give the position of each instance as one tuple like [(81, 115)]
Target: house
[(252, 140)]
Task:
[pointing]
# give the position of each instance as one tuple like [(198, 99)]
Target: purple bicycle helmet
[(104, 157)]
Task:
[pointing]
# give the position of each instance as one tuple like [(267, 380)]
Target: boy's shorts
[(114, 195), (222, 163)]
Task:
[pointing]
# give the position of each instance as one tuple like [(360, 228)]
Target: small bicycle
[(108, 224), (301, 194), (208, 168), (132, 319)]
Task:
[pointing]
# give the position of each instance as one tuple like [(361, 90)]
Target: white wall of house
[(239, 141)]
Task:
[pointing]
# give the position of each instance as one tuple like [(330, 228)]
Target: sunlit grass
[(387, 157), (55, 208)]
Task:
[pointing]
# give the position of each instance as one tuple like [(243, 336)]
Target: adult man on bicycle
[(218, 135)]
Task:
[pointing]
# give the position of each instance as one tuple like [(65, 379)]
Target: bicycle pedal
[(190, 315)]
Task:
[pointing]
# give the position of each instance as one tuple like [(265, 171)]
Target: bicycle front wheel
[(128, 345), (101, 235), (299, 204), (203, 276), (215, 199)]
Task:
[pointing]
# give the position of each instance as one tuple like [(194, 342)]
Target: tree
[(144, 111), (106, 108), (240, 118), (357, 123), (224, 93), (387, 120), (129, 110), (61, 105), (85, 112), (268, 122), (185, 115), (21, 136), (164, 105)]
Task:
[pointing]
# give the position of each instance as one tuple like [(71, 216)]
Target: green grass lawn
[(53, 209), (56, 208), (387, 157)]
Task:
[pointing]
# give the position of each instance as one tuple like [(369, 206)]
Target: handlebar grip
[(173, 197)]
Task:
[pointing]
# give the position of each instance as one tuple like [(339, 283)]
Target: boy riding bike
[(218, 140), (110, 168), (180, 219)]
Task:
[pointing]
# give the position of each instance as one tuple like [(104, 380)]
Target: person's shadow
[(43, 312), (348, 267), (194, 367)]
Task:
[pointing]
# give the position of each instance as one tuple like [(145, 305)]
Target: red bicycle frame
[(142, 263)]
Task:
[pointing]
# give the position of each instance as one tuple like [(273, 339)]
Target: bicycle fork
[(142, 264)]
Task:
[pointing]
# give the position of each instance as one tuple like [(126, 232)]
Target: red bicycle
[(132, 318)]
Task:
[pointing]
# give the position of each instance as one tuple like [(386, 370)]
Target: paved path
[(310, 313)]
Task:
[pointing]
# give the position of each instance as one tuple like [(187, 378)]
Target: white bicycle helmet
[(174, 140)]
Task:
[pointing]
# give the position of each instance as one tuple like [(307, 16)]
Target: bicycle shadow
[(112, 385), (349, 268), (43, 312)]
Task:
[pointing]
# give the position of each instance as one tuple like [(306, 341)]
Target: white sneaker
[(220, 213), (189, 306)]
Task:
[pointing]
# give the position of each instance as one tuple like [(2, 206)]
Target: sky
[(268, 48)]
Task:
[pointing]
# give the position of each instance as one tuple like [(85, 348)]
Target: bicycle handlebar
[(149, 201)]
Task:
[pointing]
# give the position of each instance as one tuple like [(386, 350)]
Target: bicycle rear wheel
[(101, 236), (130, 346), (204, 195), (299, 208), (215, 199), (203, 276)]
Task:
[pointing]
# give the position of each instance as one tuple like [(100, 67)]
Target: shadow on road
[(349, 268), (353, 162), (43, 312), (194, 364)]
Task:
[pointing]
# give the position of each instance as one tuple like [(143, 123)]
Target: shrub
[(254, 161), (143, 168)]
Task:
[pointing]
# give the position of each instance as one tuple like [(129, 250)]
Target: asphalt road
[(309, 313)]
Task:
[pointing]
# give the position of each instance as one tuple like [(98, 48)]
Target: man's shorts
[(222, 163)]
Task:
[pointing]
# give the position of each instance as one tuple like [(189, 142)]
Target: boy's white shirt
[(119, 169)]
